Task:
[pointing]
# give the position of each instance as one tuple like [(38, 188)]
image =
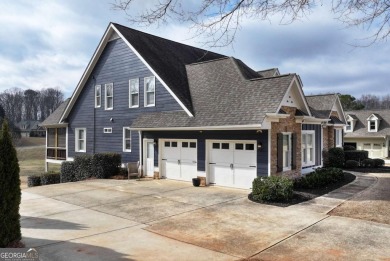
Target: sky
[(48, 43)]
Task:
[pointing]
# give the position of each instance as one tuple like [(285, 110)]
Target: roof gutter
[(232, 127)]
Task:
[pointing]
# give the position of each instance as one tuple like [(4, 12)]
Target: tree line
[(18, 104), (365, 102)]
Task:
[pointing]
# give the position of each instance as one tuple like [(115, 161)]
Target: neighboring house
[(31, 128), (185, 112), (369, 130)]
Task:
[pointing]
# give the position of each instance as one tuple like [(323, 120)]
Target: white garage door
[(374, 150), (232, 163), (179, 159)]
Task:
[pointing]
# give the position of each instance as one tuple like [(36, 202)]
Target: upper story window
[(338, 139), (373, 123), (81, 139), (98, 96), (149, 91), (109, 96), (134, 93), (308, 148), (348, 127)]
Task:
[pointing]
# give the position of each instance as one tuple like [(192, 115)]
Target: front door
[(149, 158)]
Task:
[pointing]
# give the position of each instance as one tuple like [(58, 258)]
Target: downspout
[(94, 112)]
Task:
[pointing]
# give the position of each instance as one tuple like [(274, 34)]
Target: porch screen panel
[(61, 133), (51, 137)]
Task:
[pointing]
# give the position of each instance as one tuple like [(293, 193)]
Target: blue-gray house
[(185, 112)]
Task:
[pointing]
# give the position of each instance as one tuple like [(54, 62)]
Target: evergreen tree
[(10, 194)]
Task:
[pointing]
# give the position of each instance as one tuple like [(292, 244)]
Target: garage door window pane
[(225, 146), (192, 144), (184, 144), (367, 146), (216, 146), (239, 146), (174, 144), (249, 146), (167, 144), (377, 146)]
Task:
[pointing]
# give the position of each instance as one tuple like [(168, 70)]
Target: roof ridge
[(209, 61), (314, 95), (273, 77)]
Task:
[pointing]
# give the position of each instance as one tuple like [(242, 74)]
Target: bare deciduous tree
[(219, 20)]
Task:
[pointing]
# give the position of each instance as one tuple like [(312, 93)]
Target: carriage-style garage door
[(179, 159), (232, 163)]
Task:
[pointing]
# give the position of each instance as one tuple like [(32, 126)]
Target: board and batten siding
[(202, 136), (117, 65), (318, 140)]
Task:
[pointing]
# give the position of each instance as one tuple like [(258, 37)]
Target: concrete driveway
[(171, 220)]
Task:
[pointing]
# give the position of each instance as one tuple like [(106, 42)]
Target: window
[(81, 138), (250, 146), (167, 144), (225, 146), (348, 127), (216, 145), (109, 101), (107, 130), (366, 146), (98, 96), (239, 146), (134, 93), (174, 144), (126, 139), (338, 137), (372, 125), (286, 151), (308, 148), (193, 145), (184, 144), (149, 89)]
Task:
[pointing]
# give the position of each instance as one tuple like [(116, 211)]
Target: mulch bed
[(301, 195)]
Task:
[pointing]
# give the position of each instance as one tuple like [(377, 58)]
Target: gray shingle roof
[(269, 72), (55, 117), (361, 128), (168, 59), (321, 105), (222, 96), (335, 120)]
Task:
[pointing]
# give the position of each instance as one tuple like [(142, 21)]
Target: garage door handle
[(178, 162), (252, 166), (163, 159), (211, 163), (194, 161), (231, 166)]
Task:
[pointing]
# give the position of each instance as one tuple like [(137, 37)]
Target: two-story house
[(369, 130), (185, 112)]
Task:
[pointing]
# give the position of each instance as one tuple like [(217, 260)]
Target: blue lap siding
[(201, 137), (117, 65)]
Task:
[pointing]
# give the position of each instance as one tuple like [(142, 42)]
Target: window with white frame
[(286, 151), (109, 96), (338, 137), (98, 96), (348, 127), (372, 125), (107, 130), (126, 139), (133, 93), (81, 139), (149, 91), (308, 148)]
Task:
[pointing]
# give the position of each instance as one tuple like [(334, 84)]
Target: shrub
[(336, 158), (68, 171), (379, 162), (84, 167), (10, 194), (321, 177), (357, 155), (349, 148), (50, 178), (106, 165), (368, 163), (123, 172), (351, 164), (33, 181), (272, 189)]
